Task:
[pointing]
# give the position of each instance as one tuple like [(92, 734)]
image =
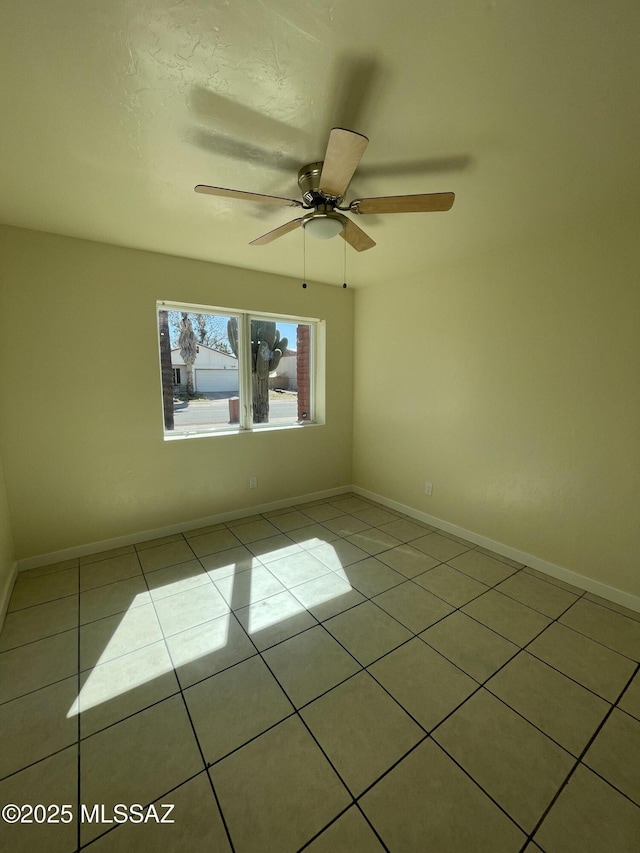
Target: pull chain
[(304, 262), (304, 259), (344, 265)]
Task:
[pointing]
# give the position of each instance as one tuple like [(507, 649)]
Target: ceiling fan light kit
[(323, 185), (323, 226)]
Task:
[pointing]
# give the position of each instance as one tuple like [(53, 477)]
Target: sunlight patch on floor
[(118, 676), (135, 654)]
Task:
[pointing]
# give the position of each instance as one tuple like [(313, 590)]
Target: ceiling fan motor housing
[(309, 183)]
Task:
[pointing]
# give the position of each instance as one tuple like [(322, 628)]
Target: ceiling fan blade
[(277, 232), (343, 154), (424, 203), (267, 199), (356, 237)]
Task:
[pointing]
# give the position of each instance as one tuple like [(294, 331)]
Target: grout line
[(331, 823), (610, 783), (599, 642), (372, 827), (39, 603), (569, 677), (38, 639), (42, 687), (188, 713), (296, 713), (25, 575), (39, 760), (554, 582), (253, 738), (356, 805), (610, 606), (578, 761), (478, 785), (144, 807), (132, 714)]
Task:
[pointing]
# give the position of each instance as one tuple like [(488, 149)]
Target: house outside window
[(229, 371)]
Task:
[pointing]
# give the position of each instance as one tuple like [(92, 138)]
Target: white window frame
[(246, 425)]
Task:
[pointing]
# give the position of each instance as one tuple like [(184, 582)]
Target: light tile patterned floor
[(330, 677)]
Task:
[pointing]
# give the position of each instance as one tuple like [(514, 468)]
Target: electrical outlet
[(428, 488), (253, 482)]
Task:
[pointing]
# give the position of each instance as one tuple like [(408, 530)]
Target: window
[(225, 370)]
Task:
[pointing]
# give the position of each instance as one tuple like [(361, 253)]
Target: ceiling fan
[(323, 186)]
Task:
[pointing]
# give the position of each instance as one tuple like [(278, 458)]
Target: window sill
[(238, 431)]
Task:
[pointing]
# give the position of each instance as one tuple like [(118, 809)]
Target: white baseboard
[(118, 542), (618, 596), (5, 592)]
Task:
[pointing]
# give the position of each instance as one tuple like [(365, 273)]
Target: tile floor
[(330, 677)]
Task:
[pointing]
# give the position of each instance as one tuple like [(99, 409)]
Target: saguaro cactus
[(267, 349)]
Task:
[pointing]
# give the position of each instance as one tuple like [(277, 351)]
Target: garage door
[(217, 380)]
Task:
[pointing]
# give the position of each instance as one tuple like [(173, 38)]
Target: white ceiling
[(113, 110)]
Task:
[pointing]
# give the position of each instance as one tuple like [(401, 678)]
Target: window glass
[(226, 371), (280, 371)]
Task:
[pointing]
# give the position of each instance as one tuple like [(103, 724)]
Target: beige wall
[(510, 381), (81, 433), (7, 557)]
